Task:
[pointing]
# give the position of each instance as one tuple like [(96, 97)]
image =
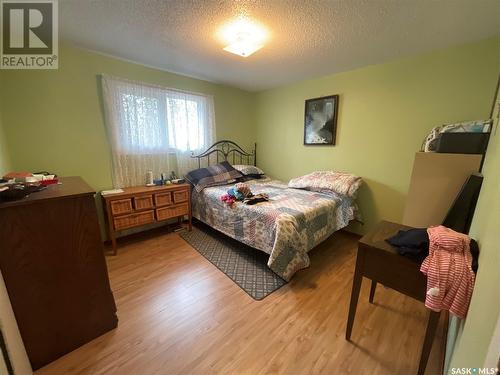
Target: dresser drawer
[(163, 199), (121, 206), (145, 217), (180, 196), (169, 212), (143, 202), (133, 220)]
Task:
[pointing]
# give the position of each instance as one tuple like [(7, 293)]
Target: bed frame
[(226, 150)]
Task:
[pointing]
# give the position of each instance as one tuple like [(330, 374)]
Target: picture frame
[(320, 121)]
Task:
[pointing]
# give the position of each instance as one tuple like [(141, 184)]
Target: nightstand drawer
[(134, 220), (121, 206), (180, 196), (163, 199), (174, 211), (143, 202)]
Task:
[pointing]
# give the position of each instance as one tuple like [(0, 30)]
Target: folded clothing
[(238, 192), (449, 261), (229, 200), (414, 244), (254, 199), (242, 189)]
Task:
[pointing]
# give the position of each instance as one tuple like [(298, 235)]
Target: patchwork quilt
[(288, 226)]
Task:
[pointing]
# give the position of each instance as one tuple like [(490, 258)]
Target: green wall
[(54, 121), (385, 112), (4, 152), (472, 345)]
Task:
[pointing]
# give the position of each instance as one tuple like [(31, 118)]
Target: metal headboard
[(226, 150)]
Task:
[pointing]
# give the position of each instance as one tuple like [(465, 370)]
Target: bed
[(287, 227)]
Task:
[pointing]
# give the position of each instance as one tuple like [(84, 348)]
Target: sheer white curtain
[(190, 126), (154, 128)]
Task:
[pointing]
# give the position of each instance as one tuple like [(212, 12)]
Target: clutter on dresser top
[(18, 185), (163, 180), (44, 178)]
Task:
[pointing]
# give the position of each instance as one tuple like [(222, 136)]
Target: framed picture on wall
[(320, 120)]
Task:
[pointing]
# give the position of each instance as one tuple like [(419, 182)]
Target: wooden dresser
[(52, 262), (141, 205)]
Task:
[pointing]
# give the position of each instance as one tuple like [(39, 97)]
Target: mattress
[(293, 221)]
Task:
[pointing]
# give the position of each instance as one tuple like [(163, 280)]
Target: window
[(185, 124), (140, 121), (146, 124)]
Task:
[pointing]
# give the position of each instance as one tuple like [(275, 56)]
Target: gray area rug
[(246, 266)]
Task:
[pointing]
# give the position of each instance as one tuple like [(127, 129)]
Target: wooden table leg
[(356, 286), (372, 290), (113, 244), (429, 338)]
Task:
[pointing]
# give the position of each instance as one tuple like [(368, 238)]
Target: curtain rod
[(152, 85)]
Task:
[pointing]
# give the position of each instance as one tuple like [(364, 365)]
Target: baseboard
[(145, 233)]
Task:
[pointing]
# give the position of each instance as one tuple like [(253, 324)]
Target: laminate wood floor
[(178, 314)]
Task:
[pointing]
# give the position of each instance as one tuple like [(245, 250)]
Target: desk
[(380, 262)]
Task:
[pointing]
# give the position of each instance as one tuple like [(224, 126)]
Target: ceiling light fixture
[(243, 36)]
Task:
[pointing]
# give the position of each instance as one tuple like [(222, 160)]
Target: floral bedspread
[(288, 226)]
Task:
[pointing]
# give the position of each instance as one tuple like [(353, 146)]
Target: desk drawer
[(143, 202), (121, 206), (133, 220), (180, 196), (169, 212), (163, 199)]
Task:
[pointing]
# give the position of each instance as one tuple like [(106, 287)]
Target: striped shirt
[(450, 279)]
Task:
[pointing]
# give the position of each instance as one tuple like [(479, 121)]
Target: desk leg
[(372, 290), (356, 286), (429, 338)]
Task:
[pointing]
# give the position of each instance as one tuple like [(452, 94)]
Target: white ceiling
[(309, 38)]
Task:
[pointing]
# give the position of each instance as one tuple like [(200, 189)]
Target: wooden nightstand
[(141, 205), (380, 262)]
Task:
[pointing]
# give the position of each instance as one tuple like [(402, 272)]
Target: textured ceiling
[(308, 38)]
